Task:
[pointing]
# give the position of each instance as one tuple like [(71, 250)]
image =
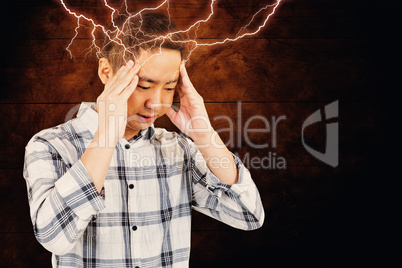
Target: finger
[(117, 74), (180, 91), (171, 113), (122, 71), (126, 93), (184, 76), (185, 86), (136, 68), (129, 76), (126, 79)]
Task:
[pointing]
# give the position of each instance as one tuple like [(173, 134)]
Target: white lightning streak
[(195, 25)]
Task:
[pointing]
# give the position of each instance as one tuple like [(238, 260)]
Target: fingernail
[(121, 68), (130, 63)]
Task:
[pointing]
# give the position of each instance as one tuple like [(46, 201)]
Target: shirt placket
[(135, 229)]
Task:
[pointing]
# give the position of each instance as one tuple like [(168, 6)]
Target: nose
[(154, 99)]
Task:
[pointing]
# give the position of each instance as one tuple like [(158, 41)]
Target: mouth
[(146, 118)]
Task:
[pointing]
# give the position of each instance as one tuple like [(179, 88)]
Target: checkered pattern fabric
[(142, 217)]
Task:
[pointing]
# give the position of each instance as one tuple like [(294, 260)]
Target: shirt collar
[(88, 118)]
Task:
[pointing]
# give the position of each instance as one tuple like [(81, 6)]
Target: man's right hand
[(112, 104), (112, 112)]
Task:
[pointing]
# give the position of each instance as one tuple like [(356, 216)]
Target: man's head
[(143, 32), (160, 60)]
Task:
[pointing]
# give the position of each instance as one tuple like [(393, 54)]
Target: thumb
[(171, 113)]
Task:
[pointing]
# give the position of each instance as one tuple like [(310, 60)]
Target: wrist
[(204, 138), (104, 141)]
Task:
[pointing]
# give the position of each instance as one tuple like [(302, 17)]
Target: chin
[(135, 125)]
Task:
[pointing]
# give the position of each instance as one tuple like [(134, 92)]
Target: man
[(108, 189)]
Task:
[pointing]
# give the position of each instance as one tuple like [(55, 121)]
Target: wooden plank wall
[(311, 53)]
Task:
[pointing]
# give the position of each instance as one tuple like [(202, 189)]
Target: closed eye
[(170, 88), (143, 87)]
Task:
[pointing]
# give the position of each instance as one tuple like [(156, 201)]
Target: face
[(153, 96)]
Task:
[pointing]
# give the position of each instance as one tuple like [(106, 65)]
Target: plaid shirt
[(142, 218)]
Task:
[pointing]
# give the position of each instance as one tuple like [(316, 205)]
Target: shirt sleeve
[(238, 205), (62, 197)]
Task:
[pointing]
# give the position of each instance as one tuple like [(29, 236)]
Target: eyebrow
[(149, 80)]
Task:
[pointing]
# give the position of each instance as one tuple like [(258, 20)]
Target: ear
[(105, 70)]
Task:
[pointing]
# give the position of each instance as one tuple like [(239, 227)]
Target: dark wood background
[(311, 53)]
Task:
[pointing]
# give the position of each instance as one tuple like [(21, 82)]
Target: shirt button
[(127, 146), (134, 228), (131, 186)]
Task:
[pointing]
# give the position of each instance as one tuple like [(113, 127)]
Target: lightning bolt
[(114, 35)]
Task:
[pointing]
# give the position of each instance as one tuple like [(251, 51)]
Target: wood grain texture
[(296, 19), (248, 70), (311, 53), (233, 121)]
